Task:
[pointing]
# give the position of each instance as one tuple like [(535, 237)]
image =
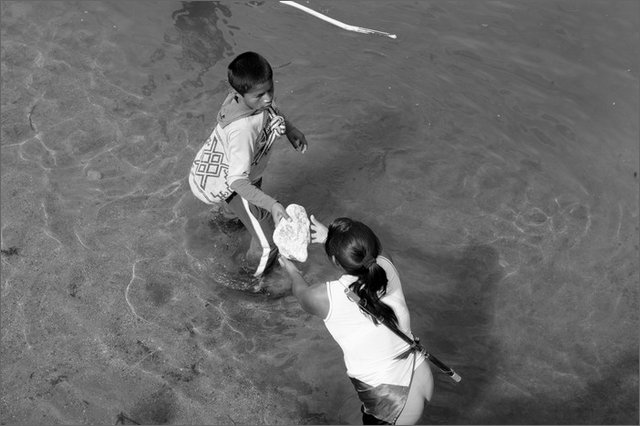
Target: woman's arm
[(313, 298)]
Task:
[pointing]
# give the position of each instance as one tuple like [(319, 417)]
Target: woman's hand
[(318, 231), (288, 265), (297, 139), (278, 212)]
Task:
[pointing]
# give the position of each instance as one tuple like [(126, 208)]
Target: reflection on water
[(202, 42), (492, 146)]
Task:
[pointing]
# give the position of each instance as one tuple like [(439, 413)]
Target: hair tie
[(368, 261)]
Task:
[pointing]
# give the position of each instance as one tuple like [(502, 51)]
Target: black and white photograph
[(319, 212)]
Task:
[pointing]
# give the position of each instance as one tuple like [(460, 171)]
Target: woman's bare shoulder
[(316, 300)]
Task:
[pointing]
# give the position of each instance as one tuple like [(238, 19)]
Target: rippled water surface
[(492, 145)]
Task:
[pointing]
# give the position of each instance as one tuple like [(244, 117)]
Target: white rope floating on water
[(335, 21)]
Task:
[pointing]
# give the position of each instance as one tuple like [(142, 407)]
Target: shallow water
[(493, 146)]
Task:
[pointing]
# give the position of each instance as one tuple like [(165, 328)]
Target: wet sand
[(493, 146)]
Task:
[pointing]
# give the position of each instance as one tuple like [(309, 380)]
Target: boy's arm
[(255, 196), (252, 193), (240, 149), (296, 137)]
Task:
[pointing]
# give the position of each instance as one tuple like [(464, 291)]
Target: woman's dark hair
[(356, 248), (248, 70)]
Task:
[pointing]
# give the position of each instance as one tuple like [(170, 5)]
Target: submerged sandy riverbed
[(493, 146)]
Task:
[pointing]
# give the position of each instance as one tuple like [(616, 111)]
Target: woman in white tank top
[(392, 381)]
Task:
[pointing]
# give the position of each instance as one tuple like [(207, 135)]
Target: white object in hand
[(293, 236)]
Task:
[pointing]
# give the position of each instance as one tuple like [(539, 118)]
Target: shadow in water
[(460, 332), (610, 400), (202, 41), (459, 326)]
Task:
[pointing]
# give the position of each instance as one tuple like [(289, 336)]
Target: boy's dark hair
[(248, 70)]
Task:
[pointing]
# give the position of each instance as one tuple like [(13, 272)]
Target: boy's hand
[(318, 231), (278, 212), (297, 139)]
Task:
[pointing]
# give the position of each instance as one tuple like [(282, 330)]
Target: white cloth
[(369, 350)]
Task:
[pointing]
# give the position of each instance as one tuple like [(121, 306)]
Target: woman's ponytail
[(355, 247)]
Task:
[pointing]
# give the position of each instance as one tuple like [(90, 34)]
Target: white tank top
[(369, 350)]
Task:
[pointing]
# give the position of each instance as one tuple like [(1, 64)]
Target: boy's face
[(260, 96)]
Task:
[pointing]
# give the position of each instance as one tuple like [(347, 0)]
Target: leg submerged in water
[(262, 252), (225, 220)]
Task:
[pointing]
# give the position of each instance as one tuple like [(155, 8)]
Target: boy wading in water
[(248, 124)]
